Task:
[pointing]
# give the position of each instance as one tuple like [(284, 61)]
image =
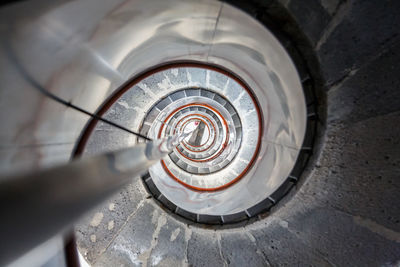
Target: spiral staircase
[(289, 110)]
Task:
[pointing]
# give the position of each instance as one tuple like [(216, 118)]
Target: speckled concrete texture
[(364, 30)]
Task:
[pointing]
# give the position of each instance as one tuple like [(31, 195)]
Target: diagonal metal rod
[(36, 206)]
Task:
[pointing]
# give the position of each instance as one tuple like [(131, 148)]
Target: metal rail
[(38, 205)]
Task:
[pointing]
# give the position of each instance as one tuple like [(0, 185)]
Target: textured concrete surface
[(171, 248), (345, 211), (281, 247), (358, 170), (251, 255), (204, 249), (365, 30), (312, 17), (371, 92), (96, 232), (135, 241)]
